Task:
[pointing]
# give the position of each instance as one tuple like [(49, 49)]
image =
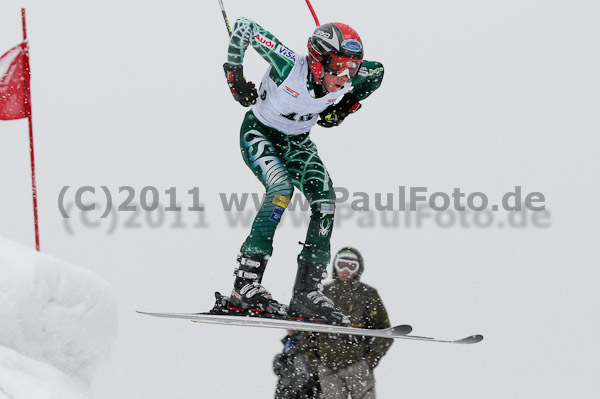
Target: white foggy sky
[(478, 95)]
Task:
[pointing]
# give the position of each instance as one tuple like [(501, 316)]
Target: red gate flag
[(14, 83)]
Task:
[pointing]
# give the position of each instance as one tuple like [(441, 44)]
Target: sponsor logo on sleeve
[(291, 92), (375, 71), (363, 71), (286, 52), (265, 41)]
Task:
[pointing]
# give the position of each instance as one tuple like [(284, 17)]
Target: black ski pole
[(225, 17)]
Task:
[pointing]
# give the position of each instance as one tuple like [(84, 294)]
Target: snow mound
[(25, 378), (54, 312)]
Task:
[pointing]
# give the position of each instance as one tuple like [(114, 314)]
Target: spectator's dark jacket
[(364, 307), (296, 378)]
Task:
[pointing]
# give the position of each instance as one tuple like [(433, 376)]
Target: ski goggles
[(346, 264), (342, 66)]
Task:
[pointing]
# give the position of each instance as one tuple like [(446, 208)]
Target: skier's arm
[(378, 318), (368, 79), (247, 32), (364, 84)]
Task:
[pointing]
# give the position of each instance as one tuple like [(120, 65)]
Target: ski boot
[(308, 301), (248, 295)]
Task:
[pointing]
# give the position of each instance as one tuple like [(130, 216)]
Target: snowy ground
[(57, 324), (481, 95), (24, 378)]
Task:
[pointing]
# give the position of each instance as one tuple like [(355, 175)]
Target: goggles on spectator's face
[(342, 66), (346, 264)]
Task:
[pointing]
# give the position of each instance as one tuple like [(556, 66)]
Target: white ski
[(399, 332)]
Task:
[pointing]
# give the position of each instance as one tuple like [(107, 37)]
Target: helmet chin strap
[(320, 81), (323, 72), (322, 78)]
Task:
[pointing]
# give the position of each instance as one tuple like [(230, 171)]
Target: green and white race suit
[(275, 143), (289, 107)]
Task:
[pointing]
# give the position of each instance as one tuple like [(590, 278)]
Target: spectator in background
[(345, 363), (296, 378)]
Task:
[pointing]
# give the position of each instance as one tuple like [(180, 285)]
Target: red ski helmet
[(335, 48)]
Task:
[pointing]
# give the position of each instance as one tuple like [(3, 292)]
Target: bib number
[(294, 117)]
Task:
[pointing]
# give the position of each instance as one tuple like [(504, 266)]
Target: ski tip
[(159, 314), (403, 329), (146, 313), (473, 339)]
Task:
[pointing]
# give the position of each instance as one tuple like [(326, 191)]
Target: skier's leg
[(262, 155), (311, 177), (260, 151)]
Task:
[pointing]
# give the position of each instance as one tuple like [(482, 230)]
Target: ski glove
[(335, 114), (243, 92), (281, 364)]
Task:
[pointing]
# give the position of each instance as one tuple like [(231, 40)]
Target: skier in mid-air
[(297, 91)]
